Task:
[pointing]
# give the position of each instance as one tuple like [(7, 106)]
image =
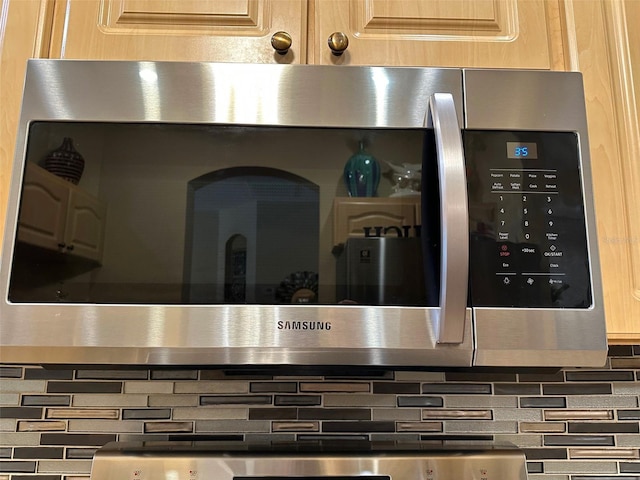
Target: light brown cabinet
[(478, 33), (444, 33), (188, 30), (606, 49), (596, 37), (59, 216)]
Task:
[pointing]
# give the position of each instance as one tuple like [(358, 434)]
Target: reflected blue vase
[(362, 174)]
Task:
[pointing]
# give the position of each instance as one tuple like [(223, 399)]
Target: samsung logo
[(286, 325)]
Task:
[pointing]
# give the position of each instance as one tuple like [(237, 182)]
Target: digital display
[(522, 150)]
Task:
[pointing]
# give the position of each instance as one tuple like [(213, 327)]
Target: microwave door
[(454, 219)]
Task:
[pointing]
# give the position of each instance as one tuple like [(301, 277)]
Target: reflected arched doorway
[(235, 270), (264, 221)]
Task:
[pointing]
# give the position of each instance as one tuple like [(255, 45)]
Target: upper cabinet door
[(85, 227), (43, 213), (449, 33), (185, 30), (606, 40)]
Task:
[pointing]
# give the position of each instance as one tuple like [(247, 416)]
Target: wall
[(577, 424)]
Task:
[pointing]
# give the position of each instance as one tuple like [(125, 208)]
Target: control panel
[(528, 243)]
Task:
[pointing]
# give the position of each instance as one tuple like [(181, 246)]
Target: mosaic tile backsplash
[(576, 424)]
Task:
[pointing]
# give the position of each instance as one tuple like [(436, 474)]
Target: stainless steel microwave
[(233, 214)]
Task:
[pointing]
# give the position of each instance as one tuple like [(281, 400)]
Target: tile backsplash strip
[(576, 424)]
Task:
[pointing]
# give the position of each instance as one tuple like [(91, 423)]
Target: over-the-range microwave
[(167, 213)]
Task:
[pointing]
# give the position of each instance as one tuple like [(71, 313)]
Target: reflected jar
[(65, 162)]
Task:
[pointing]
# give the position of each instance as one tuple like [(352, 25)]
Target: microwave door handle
[(454, 218)]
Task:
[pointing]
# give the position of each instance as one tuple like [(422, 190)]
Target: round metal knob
[(281, 42), (338, 43)]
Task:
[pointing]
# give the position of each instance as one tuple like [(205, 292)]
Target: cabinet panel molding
[(454, 33), (624, 52), (172, 15), (624, 44), (606, 50), (188, 30), (493, 19)]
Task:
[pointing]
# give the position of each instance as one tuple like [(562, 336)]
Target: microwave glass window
[(218, 214)]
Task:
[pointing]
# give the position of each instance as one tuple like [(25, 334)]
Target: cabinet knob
[(281, 42), (338, 43)]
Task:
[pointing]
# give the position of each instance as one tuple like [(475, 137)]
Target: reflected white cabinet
[(394, 216), (57, 215)]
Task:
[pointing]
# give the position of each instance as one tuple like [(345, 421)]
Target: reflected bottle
[(362, 174)]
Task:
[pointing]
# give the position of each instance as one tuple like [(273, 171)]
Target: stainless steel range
[(316, 461)]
